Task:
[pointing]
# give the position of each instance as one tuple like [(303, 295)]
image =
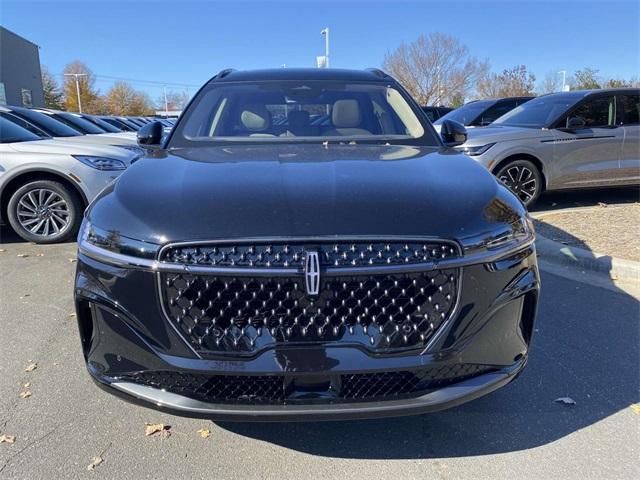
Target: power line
[(148, 82)]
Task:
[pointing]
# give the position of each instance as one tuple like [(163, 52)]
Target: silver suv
[(580, 139)]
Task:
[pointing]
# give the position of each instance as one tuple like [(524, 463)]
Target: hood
[(61, 147), (498, 133), (113, 139), (213, 193)]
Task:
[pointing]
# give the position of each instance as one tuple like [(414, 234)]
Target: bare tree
[(175, 101), (122, 99), (550, 84), (585, 79), (436, 69), (512, 82)]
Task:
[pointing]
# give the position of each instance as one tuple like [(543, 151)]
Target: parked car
[(297, 271), (480, 113), (106, 126), (121, 123), (45, 184), (434, 113), (89, 131), (567, 140)]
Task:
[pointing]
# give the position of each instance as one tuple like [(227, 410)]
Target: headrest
[(255, 118), (346, 114)]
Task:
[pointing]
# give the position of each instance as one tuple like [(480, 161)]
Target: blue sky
[(188, 42)]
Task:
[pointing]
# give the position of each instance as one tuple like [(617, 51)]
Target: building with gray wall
[(20, 75)]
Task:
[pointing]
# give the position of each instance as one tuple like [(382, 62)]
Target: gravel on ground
[(609, 230)]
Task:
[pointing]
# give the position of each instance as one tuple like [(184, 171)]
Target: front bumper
[(124, 334)]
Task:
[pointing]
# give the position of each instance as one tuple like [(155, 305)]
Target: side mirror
[(576, 123), (150, 136), (453, 133)]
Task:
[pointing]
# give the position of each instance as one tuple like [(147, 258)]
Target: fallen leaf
[(72, 260), (71, 315), (25, 394), (204, 432), (635, 408), (565, 400), (4, 438), (22, 255), (2, 250), (602, 204), (26, 385), (31, 367), (95, 461), (40, 255), (153, 428)]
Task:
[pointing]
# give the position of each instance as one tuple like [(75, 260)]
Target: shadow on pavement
[(585, 198), (586, 347)]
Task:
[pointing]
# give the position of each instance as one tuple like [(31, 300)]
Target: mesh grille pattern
[(292, 255), (280, 389), (224, 314)]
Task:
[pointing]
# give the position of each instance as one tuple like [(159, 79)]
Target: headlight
[(510, 235), (101, 163), (473, 151), (94, 240)]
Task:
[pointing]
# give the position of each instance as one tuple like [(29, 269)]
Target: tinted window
[(24, 124), (466, 114), (50, 125), (107, 127), (496, 111), (539, 112), (599, 112), (80, 124), (314, 110), (11, 133), (630, 106)]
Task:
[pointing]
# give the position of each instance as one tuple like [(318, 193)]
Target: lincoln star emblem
[(312, 273)]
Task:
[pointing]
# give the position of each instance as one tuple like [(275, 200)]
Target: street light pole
[(76, 75), (564, 78), (325, 32), (166, 103)]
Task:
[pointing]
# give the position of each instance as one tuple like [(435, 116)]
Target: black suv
[(262, 265), (480, 113)]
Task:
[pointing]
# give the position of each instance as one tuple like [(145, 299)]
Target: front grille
[(222, 314), (218, 312), (284, 389), (291, 255)]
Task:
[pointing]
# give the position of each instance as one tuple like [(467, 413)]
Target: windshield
[(50, 125), (295, 111), (466, 114), (80, 124), (539, 112), (12, 133)]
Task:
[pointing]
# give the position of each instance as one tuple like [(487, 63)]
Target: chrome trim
[(126, 261)]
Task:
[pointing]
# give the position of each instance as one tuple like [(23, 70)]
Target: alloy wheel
[(521, 181), (43, 212)]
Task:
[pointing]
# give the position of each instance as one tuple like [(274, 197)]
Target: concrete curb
[(586, 260)]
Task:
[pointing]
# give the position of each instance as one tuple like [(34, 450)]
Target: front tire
[(523, 178), (45, 211)]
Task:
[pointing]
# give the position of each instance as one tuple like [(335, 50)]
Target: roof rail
[(378, 73), (223, 73)]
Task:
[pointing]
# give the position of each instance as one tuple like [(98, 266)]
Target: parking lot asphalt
[(586, 347)]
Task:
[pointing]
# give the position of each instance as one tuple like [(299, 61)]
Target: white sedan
[(45, 184)]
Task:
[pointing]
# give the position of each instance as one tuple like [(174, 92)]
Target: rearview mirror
[(150, 136), (453, 133)]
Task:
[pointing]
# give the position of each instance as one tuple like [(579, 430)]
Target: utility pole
[(325, 32), (76, 75)]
